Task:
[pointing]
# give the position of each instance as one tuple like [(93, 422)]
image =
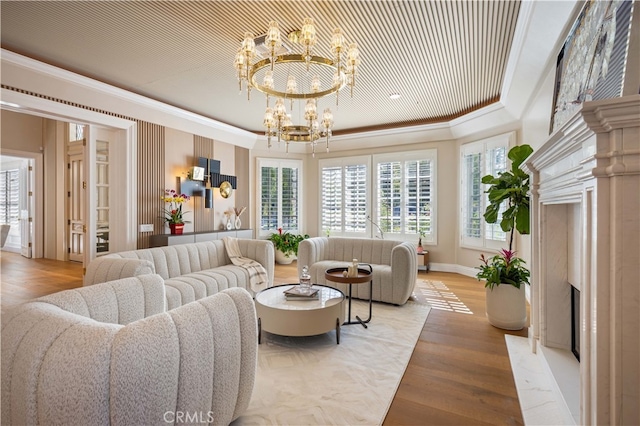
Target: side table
[(364, 276), (422, 260)]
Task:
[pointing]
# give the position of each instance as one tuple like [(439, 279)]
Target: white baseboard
[(456, 269)]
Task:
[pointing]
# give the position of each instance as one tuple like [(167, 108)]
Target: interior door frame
[(36, 201), (126, 168)]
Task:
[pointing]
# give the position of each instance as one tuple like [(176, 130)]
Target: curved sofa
[(112, 354), (393, 262), (191, 271)]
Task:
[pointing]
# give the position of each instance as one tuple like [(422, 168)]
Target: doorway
[(17, 204)]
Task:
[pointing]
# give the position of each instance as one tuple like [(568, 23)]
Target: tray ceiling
[(444, 58)]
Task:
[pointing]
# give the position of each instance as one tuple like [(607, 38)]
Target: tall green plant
[(511, 187)]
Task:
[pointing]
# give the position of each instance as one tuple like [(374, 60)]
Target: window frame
[(482, 147), (280, 164), (403, 157), (342, 163)]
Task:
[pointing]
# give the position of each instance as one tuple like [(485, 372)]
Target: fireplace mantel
[(585, 203)]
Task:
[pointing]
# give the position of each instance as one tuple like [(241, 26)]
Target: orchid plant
[(174, 214)]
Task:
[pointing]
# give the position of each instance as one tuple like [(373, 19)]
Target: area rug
[(314, 381)]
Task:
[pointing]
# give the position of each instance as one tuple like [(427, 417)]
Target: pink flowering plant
[(503, 268), (173, 213)]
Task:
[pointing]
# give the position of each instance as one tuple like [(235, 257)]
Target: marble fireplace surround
[(585, 203)]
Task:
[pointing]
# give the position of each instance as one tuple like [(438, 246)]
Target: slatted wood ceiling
[(445, 58)]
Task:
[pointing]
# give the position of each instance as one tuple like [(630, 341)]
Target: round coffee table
[(278, 315), (336, 275)]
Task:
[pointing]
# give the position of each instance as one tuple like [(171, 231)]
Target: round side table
[(364, 276)]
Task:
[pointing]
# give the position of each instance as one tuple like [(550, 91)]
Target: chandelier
[(287, 76)]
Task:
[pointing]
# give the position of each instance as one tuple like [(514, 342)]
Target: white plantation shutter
[(279, 186), (496, 163), (344, 196), (405, 194), (269, 198), (472, 198), (479, 159), (355, 198), (331, 178), (9, 197), (418, 195)]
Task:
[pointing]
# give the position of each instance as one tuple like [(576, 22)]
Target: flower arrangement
[(503, 268), (287, 242), (174, 214)]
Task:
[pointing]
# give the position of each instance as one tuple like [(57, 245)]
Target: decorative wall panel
[(151, 176), (203, 218)]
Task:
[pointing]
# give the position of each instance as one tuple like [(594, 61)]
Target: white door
[(26, 208), (76, 199)]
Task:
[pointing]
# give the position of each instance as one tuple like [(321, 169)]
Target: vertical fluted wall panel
[(151, 175), (204, 219)]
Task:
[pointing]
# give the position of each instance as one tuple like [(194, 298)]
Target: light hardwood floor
[(459, 373)]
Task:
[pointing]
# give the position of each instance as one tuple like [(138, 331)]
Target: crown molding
[(95, 94)]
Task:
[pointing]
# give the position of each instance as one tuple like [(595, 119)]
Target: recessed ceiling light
[(394, 95)]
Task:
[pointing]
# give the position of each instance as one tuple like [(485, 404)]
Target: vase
[(506, 306), (284, 259), (176, 228), (238, 222)]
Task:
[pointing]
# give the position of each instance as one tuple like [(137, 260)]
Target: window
[(344, 196), (279, 186), (9, 196), (405, 194), (479, 159)]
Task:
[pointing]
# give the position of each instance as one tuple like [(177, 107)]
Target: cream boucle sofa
[(394, 265), (112, 354), (191, 271)]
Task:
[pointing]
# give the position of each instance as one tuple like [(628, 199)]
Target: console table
[(161, 240)]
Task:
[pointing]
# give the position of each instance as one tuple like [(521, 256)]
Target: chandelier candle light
[(281, 72)]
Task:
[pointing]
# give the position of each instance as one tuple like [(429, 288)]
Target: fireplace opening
[(575, 322)]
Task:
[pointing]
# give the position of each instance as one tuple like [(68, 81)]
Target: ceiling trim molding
[(130, 104)]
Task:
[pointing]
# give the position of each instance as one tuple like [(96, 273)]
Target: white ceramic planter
[(282, 259), (507, 306)]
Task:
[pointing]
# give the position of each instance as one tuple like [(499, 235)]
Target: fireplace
[(586, 227), (575, 322)]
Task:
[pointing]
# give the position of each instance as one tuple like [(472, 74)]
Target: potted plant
[(504, 273), (174, 215), (286, 245)]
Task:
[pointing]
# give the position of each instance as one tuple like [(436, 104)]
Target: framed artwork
[(591, 62)]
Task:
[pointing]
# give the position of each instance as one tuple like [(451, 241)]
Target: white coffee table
[(278, 315)]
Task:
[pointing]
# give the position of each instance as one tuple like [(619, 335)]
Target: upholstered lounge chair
[(394, 265)]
